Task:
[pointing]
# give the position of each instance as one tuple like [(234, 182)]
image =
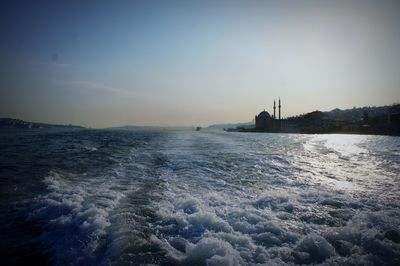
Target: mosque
[(267, 123)]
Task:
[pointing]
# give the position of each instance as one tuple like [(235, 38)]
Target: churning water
[(115, 197)]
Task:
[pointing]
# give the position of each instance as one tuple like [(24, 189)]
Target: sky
[(190, 63)]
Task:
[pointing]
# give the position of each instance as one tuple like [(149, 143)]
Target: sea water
[(181, 197)]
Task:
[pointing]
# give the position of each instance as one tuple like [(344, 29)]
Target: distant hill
[(356, 114), (381, 120), (133, 127), (233, 125), (18, 123)]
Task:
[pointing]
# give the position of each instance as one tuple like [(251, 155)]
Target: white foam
[(300, 213), (73, 221)]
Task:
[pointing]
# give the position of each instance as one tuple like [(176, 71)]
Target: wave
[(73, 215), (213, 198)]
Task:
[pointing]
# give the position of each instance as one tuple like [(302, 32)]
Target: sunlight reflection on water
[(347, 145)]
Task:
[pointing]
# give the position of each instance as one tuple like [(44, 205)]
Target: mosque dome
[(264, 115)]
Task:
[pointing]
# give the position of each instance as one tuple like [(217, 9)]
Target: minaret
[(274, 109), (279, 106)]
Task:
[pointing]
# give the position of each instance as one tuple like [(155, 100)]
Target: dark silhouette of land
[(18, 123), (383, 120)]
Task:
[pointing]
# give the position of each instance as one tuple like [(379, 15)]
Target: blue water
[(176, 197)]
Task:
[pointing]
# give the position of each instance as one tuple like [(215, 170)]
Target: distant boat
[(198, 128)]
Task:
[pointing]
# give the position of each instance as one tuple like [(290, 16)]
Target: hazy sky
[(110, 63)]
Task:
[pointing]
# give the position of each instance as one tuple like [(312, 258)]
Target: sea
[(186, 197)]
